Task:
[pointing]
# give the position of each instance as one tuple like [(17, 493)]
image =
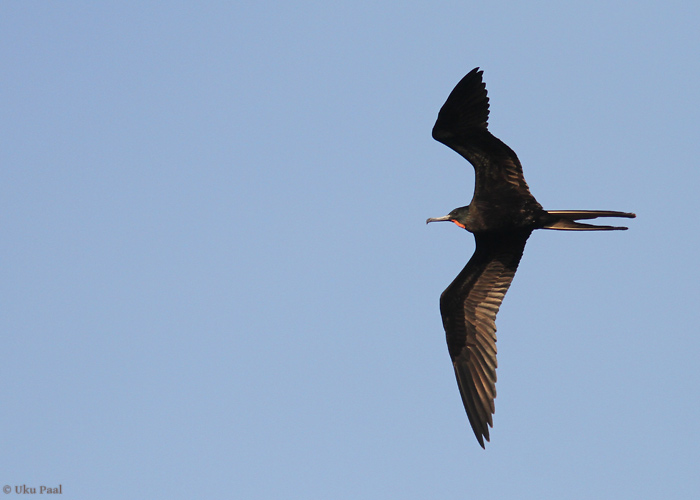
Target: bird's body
[(502, 215)]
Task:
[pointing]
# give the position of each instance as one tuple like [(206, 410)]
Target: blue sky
[(217, 281)]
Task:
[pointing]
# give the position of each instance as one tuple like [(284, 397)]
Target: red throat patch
[(459, 224)]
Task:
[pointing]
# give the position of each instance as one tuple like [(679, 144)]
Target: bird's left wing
[(469, 307), (462, 125)]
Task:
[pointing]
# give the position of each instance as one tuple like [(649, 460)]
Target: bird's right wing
[(462, 125), (469, 307)]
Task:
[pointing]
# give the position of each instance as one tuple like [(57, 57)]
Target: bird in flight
[(502, 215)]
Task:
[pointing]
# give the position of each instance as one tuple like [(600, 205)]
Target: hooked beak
[(439, 219)]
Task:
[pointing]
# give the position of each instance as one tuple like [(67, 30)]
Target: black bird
[(502, 215)]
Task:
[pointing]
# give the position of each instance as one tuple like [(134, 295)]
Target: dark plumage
[(502, 215)]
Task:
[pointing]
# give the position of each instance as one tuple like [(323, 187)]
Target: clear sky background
[(217, 281)]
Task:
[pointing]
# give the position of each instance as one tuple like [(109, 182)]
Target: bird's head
[(459, 216)]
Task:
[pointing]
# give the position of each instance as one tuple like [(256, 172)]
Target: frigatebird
[(502, 215)]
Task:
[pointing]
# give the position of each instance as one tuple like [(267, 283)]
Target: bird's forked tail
[(565, 220)]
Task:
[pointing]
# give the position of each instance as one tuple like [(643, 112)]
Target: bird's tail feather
[(565, 220)]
